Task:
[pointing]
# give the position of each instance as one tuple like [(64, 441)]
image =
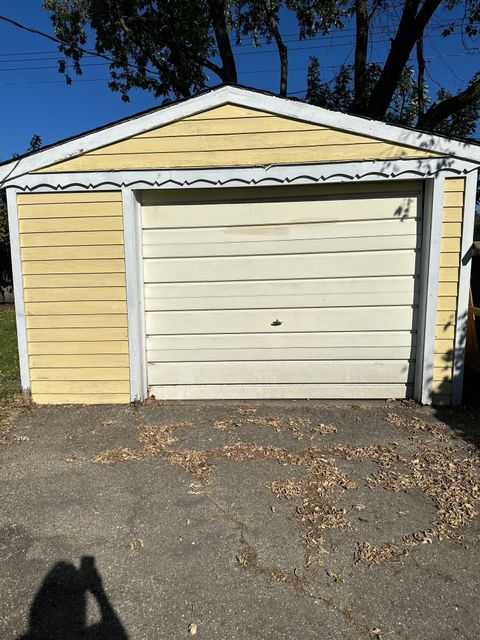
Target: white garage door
[(282, 292)]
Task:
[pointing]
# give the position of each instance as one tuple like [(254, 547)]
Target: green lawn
[(9, 370)]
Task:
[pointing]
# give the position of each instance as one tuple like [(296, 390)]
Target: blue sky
[(36, 100)]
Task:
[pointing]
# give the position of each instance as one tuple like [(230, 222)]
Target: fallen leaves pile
[(300, 428), (447, 475), (156, 442), (370, 555), (438, 430)]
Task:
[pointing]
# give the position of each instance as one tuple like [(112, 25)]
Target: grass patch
[(9, 369), (12, 403)]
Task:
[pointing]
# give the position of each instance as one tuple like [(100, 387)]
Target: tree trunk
[(410, 29), (438, 112), (420, 78), (361, 46), (282, 48), (228, 71)]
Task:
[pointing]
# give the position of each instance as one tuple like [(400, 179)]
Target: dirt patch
[(10, 411), (248, 559)]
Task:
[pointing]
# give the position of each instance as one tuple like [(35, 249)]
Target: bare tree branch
[(228, 71), (420, 77), (442, 110), (411, 27), (361, 46), (282, 48)]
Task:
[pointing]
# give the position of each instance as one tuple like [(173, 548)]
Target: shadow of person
[(59, 610)]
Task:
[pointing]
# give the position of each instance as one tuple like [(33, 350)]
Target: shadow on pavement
[(59, 610), (465, 420)]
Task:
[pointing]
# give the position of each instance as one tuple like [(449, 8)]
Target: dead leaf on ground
[(248, 556), (324, 429), (135, 544), (369, 554)]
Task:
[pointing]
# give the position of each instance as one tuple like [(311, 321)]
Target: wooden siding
[(75, 299), (448, 290), (235, 136)]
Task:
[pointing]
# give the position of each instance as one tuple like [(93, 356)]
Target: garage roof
[(240, 96)]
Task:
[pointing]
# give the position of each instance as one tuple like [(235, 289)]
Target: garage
[(290, 293), (238, 245)]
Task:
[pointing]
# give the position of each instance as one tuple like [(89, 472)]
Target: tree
[(261, 18), (170, 46), (404, 108)]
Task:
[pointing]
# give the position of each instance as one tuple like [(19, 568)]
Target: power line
[(258, 50), (27, 82), (240, 71), (37, 32), (340, 33), (88, 64)]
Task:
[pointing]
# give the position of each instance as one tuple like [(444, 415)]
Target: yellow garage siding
[(235, 136), (448, 290), (73, 267)]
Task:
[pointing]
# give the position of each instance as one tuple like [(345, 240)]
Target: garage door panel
[(285, 391), (326, 353), (304, 296), (289, 193), (271, 232), (253, 321), (241, 341), (280, 267), (281, 246), (293, 301), (291, 372), (311, 286), (214, 214)]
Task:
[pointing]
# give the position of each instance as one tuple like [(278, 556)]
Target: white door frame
[(429, 277), (430, 265), (132, 232), (19, 298)]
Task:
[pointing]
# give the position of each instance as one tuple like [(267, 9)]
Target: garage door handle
[(276, 323)]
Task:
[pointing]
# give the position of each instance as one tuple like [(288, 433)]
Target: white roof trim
[(212, 177), (241, 97)]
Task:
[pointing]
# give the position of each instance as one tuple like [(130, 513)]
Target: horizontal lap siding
[(231, 135), (448, 289), (75, 297)]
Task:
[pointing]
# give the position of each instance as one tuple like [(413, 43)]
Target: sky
[(36, 99)]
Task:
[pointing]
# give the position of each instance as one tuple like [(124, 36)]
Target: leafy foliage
[(160, 46), (462, 123), (169, 47), (339, 96), (335, 95), (251, 17)]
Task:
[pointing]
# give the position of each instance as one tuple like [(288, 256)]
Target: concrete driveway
[(295, 520)]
